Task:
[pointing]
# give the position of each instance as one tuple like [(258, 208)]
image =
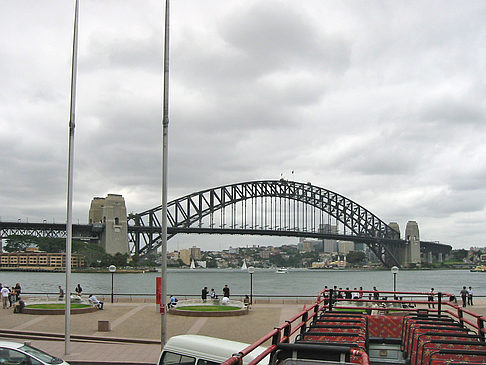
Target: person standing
[(226, 291), (61, 293), (4, 293), (431, 298), (204, 294), (13, 296), (464, 295), (18, 289), (376, 294), (470, 296)]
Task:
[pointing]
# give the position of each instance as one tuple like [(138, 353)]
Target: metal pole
[(394, 281), (165, 140), (69, 219), (112, 287), (251, 288)]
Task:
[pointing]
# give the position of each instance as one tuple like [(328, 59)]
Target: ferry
[(282, 270), (410, 328), (479, 268)]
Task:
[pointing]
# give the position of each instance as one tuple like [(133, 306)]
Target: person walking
[(470, 296), (4, 293), (464, 295)]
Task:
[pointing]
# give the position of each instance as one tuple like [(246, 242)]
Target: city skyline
[(383, 103)]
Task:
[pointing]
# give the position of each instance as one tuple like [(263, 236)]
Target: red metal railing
[(326, 301)]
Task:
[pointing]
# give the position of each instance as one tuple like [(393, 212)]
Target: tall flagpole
[(69, 224), (165, 140)]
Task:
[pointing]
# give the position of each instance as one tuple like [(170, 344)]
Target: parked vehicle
[(201, 350), (23, 353)]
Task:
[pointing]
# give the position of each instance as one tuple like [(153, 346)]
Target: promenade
[(137, 320)]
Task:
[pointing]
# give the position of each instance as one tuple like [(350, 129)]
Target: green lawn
[(56, 305), (208, 308)]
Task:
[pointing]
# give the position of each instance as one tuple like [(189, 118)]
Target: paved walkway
[(142, 321)]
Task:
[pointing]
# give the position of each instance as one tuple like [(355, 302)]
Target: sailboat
[(243, 267), (193, 265)]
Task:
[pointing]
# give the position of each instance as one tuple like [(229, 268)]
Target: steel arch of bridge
[(265, 207)]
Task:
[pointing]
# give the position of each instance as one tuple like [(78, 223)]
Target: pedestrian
[(4, 293), (13, 296), (213, 294), (204, 294), (360, 292), (464, 294), (78, 290), (61, 293), (431, 298), (97, 303), (18, 289), (470, 296), (226, 291), (19, 306), (376, 294), (172, 302), (348, 294), (355, 294)]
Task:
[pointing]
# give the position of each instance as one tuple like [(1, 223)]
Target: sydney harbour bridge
[(263, 208)]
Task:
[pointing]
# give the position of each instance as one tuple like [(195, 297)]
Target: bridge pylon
[(111, 212), (412, 248)]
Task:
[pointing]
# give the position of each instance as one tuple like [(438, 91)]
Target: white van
[(204, 350)]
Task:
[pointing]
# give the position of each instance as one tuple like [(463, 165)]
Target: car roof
[(11, 344), (209, 348)]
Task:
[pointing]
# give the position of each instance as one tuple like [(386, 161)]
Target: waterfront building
[(185, 256), (345, 247), (195, 253), (329, 245), (33, 259)]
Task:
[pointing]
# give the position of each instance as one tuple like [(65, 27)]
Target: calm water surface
[(265, 282)]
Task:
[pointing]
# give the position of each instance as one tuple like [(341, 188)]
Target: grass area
[(56, 305), (208, 308)]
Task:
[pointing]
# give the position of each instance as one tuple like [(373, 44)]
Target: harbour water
[(265, 282)]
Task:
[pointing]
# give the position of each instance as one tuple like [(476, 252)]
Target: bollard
[(104, 326)]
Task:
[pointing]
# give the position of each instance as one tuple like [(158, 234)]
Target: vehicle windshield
[(41, 355)]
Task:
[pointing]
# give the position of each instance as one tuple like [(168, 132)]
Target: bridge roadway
[(141, 321), (93, 232)]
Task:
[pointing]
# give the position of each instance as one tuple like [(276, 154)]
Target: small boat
[(193, 265), (244, 267), (282, 270)]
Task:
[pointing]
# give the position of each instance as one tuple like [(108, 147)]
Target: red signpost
[(158, 293)]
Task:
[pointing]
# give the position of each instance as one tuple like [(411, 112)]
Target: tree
[(459, 255), (355, 257), (17, 243)]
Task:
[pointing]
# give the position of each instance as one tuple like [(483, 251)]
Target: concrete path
[(142, 321)]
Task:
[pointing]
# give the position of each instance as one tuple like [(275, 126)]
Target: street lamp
[(394, 271), (251, 270), (112, 269)]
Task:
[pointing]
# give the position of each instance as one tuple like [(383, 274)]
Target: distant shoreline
[(79, 271)]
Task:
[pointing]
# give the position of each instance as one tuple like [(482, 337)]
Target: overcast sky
[(383, 102)]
